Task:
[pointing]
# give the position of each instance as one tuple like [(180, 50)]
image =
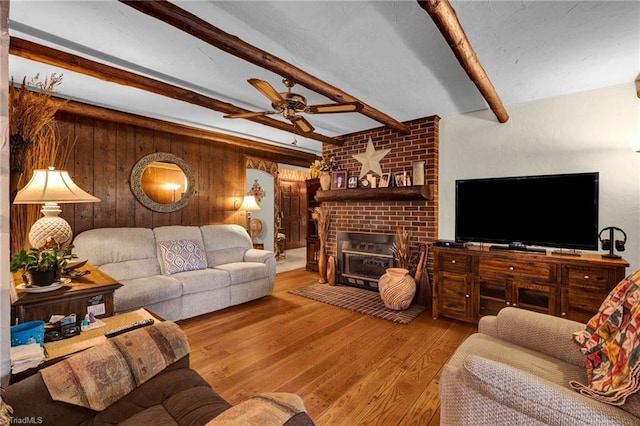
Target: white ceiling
[(388, 54)]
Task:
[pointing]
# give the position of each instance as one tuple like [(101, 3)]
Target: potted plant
[(41, 267)]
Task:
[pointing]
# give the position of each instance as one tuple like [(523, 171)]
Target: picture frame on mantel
[(339, 180), (352, 182), (418, 173)]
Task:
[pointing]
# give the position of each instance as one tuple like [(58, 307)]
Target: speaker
[(611, 244)]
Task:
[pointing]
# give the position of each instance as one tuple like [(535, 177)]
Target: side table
[(92, 291)]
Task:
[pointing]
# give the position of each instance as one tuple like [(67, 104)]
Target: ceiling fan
[(290, 104)]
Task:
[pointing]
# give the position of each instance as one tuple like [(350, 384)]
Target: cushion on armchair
[(611, 343)]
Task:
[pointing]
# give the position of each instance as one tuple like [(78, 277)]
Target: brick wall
[(420, 218)]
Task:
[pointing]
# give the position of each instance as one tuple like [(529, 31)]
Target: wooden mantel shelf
[(404, 193)]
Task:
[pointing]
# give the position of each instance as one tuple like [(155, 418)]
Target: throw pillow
[(181, 255), (611, 343)]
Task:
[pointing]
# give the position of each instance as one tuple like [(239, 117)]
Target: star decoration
[(370, 159)]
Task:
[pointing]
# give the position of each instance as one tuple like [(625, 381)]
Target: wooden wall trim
[(283, 155)]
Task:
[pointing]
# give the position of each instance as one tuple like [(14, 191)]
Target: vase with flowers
[(397, 287), (324, 167)]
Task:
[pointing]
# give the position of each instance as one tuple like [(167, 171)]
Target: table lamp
[(249, 205), (51, 187)]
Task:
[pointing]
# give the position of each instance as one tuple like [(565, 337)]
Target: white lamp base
[(50, 230)]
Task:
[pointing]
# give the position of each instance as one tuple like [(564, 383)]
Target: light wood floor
[(350, 369)]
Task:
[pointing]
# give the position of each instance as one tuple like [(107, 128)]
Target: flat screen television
[(558, 211)]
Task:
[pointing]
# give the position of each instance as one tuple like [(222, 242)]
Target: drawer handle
[(453, 261), (586, 277), (511, 268), (508, 303), (564, 314), (467, 296), (514, 305)]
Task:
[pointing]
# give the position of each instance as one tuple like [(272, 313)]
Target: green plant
[(41, 260)]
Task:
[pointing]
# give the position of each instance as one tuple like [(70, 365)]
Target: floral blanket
[(611, 343)]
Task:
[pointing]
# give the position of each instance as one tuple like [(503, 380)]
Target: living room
[(586, 130)]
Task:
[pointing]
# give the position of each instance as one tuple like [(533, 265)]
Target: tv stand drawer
[(509, 268)]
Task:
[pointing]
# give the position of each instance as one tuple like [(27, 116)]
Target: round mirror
[(162, 182)]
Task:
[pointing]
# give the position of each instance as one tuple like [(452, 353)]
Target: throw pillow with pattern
[(181, 255)]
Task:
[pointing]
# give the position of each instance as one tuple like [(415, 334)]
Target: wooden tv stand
[(474, 281)]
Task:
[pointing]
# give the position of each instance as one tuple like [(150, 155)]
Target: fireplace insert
[(363, 258)]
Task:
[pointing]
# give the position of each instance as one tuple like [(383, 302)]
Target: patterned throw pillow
[(181, 255)]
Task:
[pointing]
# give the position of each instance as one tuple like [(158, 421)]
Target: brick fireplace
[(420, 218)]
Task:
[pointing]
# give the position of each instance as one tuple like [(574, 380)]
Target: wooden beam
[(47, 55), (199, 28), (447, 21), (281, 154)]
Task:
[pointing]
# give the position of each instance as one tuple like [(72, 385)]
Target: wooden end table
[(93, 290)]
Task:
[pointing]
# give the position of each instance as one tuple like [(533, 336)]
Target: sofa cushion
[(145, 291), (242, 272), (181, 256), (179, 396), (132, 269), (528, 360), (225, 243), (203, 280), (123, 253)]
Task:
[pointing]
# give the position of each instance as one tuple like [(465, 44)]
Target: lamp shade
[(249, 203), (51, 185)]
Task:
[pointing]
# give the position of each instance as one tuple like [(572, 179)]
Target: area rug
[(359, 300)]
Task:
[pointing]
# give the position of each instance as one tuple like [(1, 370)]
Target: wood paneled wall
[(104, 154)]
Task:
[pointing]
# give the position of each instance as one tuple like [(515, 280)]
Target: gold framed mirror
[(162, 182)]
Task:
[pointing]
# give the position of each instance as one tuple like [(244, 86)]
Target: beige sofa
[(516, 370), (220, 268)]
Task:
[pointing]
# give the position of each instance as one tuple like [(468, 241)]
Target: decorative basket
[(27, 332)]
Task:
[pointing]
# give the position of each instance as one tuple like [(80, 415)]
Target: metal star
[(370, 159)]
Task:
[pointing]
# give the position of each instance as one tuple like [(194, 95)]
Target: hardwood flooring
[(349, 368)]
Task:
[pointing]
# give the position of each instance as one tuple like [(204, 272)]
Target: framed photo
[(338, 180), (352, 182), (384, 180), (400, 179), (418, 172)]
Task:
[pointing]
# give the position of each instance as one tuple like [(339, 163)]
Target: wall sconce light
[(51, 187)]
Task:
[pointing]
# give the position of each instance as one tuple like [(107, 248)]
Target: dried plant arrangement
[(35, 143), (402, 250), (322, 219), (31, 122)]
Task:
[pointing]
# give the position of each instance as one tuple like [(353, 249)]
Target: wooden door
[(293, 205)]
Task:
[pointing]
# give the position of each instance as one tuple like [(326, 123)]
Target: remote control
[(138, 324)]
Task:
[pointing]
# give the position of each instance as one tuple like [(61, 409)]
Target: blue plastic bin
[(27, 332)]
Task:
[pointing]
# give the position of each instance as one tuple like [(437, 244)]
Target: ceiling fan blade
[(249, 114), (267, 90), (333, 108), (302, 124)]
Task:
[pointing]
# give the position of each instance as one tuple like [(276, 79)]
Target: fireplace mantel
[(403, 193)]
